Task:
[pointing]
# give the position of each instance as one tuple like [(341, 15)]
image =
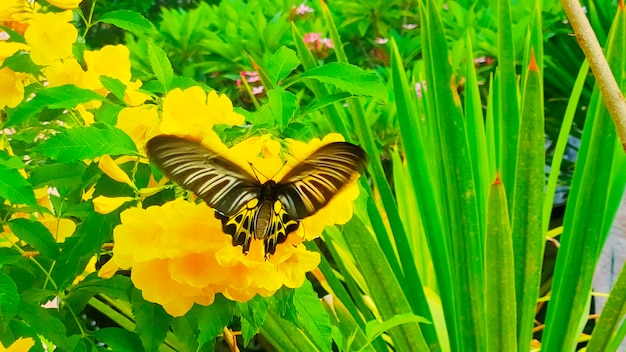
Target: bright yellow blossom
[(65, 4), (112, 169), (111, 61), (137, 122), (9, 48), (192, 113), (11, 88), (180, 255), (132, 96), (221, 110), (22, 344), (51, 37), (105, 205), (17, 14), (69, 71)]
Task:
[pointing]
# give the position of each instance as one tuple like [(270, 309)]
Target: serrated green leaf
[(107, 113), (82, 143), (152, 322), (349, 78), (80, 247), (283, 105), (214, 318), (161, 65), (128, 20), (14, 188), (281, 64), (312, 317), (115, 86), (118, 339), (325, 101), (118, 286), (37, 235), (62, 97), (9, 298), (253, 315)]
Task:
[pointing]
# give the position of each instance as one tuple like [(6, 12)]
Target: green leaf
[(501, 310), (80, 247), (62, 97), (21, 62), (152, 322), (312, 317), (375, 328), (253, 315), (82, 143), (57, 175), (45, 324), (14, 188), (114, 85), (118, 286), (283, 105), (37, 235), (128, 20), (213, 318), (118, 339), (281, 64), (9, 298), (11, 161), (325, 101), (349, 78), (161, 65)]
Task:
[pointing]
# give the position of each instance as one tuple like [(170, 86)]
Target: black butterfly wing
[(313, 182), (222, 184)]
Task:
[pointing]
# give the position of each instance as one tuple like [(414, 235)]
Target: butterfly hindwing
[(281, 225), (222, 184), (241, 224), (314, 181)]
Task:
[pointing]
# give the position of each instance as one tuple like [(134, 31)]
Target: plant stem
[(588, 42)]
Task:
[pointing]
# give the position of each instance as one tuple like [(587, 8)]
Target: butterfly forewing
[(313, 182), (222, 184)]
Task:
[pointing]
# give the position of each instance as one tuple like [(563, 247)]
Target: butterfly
[(267, 211)]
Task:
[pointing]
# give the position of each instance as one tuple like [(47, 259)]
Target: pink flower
[(381, 41), (302, 9)]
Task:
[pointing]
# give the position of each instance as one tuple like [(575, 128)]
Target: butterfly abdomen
[(262, 220)]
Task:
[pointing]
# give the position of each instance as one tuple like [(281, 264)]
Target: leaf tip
[(497, 181), (532, 64)]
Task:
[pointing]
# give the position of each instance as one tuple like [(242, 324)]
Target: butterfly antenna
[(255, 170)]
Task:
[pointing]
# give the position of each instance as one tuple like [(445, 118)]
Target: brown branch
[(611, 94)]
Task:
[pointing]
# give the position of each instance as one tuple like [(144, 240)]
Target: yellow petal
[(65, 4), (22, 344), (51, 37), (108, 269), (88, 193), (105, 205), (111, 169)]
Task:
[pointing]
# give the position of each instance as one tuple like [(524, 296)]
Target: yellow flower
[(192, 113), (65, 4), (87, 116), (137, 122), (111, 61), (51, 37), (11, 88), (17, 14), (9, 48), (89, 268), (105, 205), (132, 96), (22, 344), (69, 71), (180, 255), (112, 169), (221, 110)]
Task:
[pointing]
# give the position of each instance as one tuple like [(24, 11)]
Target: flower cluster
[(178, 251), (181, 256)]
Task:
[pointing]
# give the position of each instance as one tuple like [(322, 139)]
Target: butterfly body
[(248, 209)]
